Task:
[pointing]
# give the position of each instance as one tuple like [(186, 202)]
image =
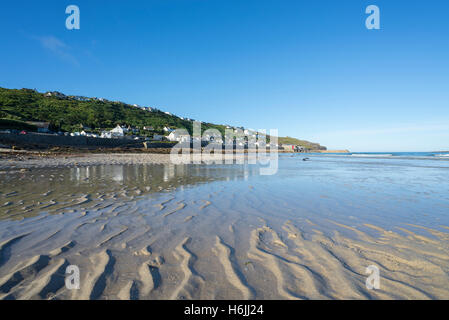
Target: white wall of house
[(173, 136), (117, 132)]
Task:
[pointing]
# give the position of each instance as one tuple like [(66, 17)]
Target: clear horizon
[(310, 69)]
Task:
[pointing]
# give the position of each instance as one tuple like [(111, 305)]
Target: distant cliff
[(303, 143)]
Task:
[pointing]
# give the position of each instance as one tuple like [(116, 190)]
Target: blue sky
[(308, 68)]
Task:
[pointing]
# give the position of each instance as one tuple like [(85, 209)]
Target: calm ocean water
[(418, 155)]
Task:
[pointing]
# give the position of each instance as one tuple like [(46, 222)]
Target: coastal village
[(244, 138)]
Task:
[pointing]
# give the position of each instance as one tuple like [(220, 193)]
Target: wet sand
[(42, 160), (36, 160), (210, 232)]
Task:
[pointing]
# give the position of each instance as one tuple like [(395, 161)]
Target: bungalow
[(167, 129), (148, 128)]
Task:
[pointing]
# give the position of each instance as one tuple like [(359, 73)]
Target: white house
[(175, 136), (106, 135), (55, 94), (118, 132), (167, 129), (80, 98)]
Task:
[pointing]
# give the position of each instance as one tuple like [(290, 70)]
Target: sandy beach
[(160, 231)]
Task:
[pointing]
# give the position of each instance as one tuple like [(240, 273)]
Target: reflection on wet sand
[(27, 194)]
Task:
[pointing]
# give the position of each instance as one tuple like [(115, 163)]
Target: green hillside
[(69, 114)]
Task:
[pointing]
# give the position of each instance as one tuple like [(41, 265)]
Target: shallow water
[(226, 232)]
